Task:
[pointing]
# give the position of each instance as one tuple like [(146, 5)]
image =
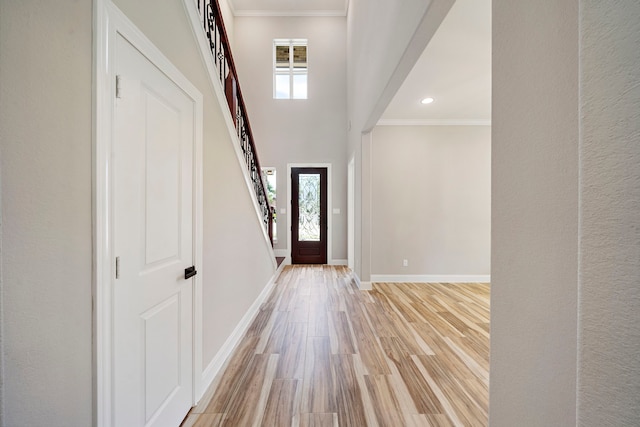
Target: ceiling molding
[(290, 13), (431, 122)]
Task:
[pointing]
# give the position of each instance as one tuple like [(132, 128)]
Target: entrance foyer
[(321, 352)]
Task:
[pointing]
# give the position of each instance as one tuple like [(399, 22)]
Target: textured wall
[(298, 131), (609, 321), (534, 213), (45, 132), (431, 200)]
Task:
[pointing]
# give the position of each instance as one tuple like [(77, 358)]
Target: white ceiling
[(455, 67), (289, 7)]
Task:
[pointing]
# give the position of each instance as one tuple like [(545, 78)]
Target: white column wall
[(384, 40), (534, 289)]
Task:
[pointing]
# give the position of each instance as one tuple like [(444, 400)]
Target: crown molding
[(290, 13), (430, 122)]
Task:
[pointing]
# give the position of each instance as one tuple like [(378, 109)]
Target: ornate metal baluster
[(218, 44)]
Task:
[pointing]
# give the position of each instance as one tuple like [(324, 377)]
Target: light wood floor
[(322, 353)]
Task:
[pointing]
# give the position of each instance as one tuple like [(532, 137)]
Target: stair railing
[(211, 19)]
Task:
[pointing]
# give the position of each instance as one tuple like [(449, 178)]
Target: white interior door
[(153, 242)]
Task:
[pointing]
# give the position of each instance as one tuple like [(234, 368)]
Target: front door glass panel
[(309, 208)]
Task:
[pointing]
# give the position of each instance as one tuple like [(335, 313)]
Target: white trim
[(109, 21), (292, 71), (267, 13), (430, 122), (290, 13), (351, 214), (363, 286), (338, 262), (198, 221), (329, 201), (431, 278), (282, 252), (206, 56), (218, 361), (355, 277), (101, 206)]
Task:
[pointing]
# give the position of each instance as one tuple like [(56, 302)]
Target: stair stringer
[(216, 85)]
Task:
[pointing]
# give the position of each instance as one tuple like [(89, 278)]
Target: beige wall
[(534, 289), (431, 200), (609, 305), (565, 335), (298, 131), (229, 21), (232, 231), (45, 131), (384, 40), (45, 137)]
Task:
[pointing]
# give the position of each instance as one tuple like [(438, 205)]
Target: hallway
[(320, 352)]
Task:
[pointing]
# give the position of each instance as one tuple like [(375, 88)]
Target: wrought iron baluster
[(213, 26)]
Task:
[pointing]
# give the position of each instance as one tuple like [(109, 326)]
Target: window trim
[(291, 71)]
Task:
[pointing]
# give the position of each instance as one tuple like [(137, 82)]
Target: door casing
[(329, 206), (351, 214), (297, 246), (110, 21)]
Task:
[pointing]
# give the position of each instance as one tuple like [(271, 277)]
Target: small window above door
[(290, 69)]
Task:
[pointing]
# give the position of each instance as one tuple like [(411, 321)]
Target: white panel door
[(153, 242)]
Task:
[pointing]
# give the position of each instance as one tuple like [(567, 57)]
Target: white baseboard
[(285, 253), (281, 252), (366, 286), (363, 286), (431, 278), (218, 361)]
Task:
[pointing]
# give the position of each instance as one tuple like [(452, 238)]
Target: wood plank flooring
[(322, 353)]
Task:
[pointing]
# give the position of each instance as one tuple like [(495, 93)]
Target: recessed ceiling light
[(427, 100)]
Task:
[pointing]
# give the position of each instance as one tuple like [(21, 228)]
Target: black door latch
[(189, 272)]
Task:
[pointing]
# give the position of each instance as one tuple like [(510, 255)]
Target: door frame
[(291, 166), (322, 243), (109, 21), (351, 213)]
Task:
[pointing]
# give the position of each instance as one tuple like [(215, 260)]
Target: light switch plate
[(336, 211), (283, 211)]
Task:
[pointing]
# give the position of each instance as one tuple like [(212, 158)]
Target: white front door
[(153, 244)]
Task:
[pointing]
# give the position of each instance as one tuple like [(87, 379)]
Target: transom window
[(290, 69)]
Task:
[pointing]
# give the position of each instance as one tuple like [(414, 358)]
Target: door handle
[(189, 272)]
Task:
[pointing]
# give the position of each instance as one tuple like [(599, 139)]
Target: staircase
[(214, 29)]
